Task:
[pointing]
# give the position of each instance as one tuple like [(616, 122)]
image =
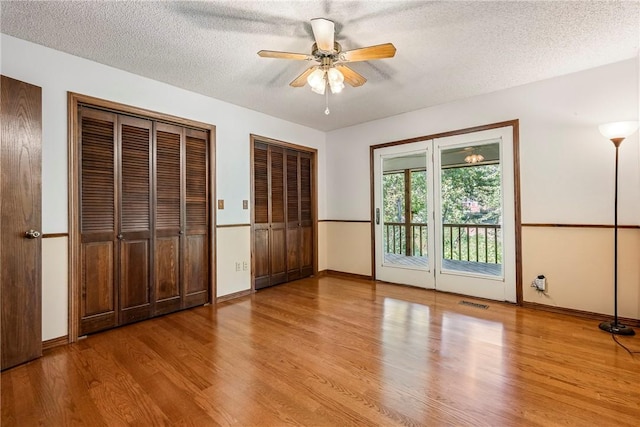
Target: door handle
[(120, 237), (32, 234), (377, 216)]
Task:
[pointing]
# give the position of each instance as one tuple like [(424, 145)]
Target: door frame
[(74, 100), (314, 195), (515, 125)]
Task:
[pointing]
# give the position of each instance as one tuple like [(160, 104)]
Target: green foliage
[(470, 195)]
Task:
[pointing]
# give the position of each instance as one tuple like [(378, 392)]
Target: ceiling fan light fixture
[(316, 81), (319, 89), (474, 158), (336, 87)]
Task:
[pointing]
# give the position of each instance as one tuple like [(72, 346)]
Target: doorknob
[(32, 234), (120, 236), (377, 216)]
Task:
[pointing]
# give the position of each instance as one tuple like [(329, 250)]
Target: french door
[(445, 214)]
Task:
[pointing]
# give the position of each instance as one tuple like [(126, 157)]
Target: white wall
[(566, 166), (57, 73), (566, 170)]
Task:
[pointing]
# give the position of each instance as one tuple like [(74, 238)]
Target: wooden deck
[(452, 265), (335, 352)]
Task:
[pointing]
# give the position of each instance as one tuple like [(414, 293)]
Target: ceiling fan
[(331, 70)]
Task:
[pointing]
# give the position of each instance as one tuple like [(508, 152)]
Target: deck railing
[(463, 242)]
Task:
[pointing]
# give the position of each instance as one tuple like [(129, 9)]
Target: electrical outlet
[(245, 204), (237, 266), (540, 283), (221, 204), (245, 266)]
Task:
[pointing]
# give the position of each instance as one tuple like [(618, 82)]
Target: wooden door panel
[(20, 276), (293, 253), (196, 270), (98, 309), (97, 279), (169, 223), (278, 256), (136, 292), (261, 257), (167, 277), (307, 251), (135, 298)]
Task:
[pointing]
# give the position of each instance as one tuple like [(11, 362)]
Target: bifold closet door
[(299, 215), (270, 251), (169, 218), (294, 234), (306, 215), (282, 215), (99, 247), (135, 234), (196, 276)]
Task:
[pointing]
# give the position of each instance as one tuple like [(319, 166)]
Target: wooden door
[(261, 255), (277, 220), (306, 215), (294, 235), (196, 245), (21, 221), (135, 291), (98, 215), (169, 229)]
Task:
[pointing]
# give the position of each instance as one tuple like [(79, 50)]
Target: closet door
[(306, 214), (98, 214), (169, 218), (294, 235), (135, 233), (277, 222), (196, 246), (261, 215)]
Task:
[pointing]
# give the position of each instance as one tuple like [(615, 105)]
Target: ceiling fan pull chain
[(326, 100)]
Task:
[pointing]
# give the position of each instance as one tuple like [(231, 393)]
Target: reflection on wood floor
[(447, 264), (335, 352)]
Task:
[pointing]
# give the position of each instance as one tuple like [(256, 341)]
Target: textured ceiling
[(445, 50)]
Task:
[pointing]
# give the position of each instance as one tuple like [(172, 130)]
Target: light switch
[(245, 204), (220, 204)]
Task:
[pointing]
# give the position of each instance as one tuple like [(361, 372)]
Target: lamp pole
[(616, 132)]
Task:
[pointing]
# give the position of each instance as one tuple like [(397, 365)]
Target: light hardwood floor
[(335, 352)]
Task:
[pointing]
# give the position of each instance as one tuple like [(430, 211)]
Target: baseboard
[(234, 295), (55, 342), (581, 313), (335, 273)]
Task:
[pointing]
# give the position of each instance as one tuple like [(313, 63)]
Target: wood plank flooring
[(335, 352)]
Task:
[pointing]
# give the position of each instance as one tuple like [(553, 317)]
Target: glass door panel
[(402, 200), (470, 194), (475, 207)]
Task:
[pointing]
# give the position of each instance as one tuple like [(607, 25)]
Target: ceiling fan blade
[(323, 31), (353, 78), (301, 80), (284, 55), (387, 50)]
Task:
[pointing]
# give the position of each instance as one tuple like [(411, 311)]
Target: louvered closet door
[(98, 214), (169, 197), (196, 283), (261, 215), (306, 214), (136, 293), (294, 235), (277, 220)]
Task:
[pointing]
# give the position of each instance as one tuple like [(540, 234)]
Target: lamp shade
[(618, 129)]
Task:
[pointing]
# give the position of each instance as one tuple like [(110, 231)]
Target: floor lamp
[(616, 132)]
